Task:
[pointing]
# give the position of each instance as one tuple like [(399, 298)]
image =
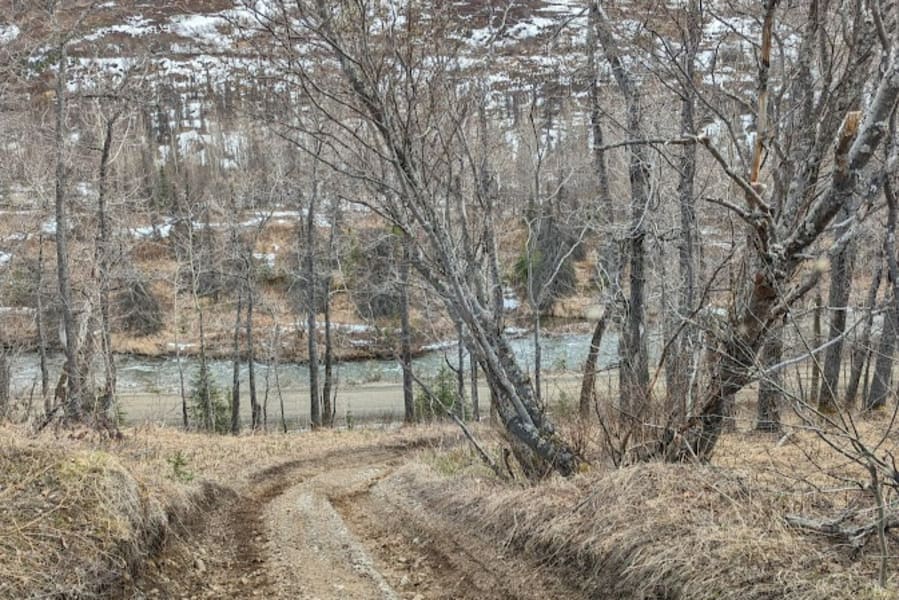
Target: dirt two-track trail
[(319, 529)]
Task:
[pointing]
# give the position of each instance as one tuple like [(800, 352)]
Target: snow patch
[(8, 33), (266, 258)]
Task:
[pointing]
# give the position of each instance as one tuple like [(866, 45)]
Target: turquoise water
[(560, 353)]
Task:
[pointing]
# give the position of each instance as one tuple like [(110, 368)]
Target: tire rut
[(227, 553)]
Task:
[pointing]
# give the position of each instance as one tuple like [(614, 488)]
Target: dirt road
[(333, 527)]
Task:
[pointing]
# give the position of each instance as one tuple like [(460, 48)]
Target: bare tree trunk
[(608, 270), (276, 353), (838, 298), (4, 384), (255, 408), (634, 369), (677, 370), (73, 408), (475, 401), (104, 256), (235, 369), (406, 337), (315, 415), (42, 328), (883, 370), (204, 392), (861, 351), (815, 387), (771, 385), (460, 373), (588, 381), (177, 316), (883, 367), (328, 405), (538, 368)]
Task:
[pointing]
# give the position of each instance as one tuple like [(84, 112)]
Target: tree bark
[(771, 385), (73, 407), (255, 408), (4, 384), (406, 337), (815, 387), (883, 370), (235, 369), (861, 351), (473, 375), (329, 403), (588, 381), (42, 328), (104, 259), (883, 366), (634, 369), (837, 301), (460, 374), (678, 368), (315, 416)]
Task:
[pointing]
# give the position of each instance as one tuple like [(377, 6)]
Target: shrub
[(140, 312), (443, 388), (371, 272), (203, 387), (540, 266)]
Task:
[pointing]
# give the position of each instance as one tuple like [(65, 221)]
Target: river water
[(560, 353), (150, 388)]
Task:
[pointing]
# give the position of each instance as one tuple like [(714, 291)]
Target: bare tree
[(634, 368), (386, 121)]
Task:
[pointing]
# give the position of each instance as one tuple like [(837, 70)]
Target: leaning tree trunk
[(588, 381)]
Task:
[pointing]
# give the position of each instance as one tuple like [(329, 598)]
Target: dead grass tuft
[(74, 521)]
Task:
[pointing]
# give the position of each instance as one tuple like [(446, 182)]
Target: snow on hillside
[(515, 49)]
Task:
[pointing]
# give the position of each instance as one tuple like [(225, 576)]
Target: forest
[(480, 299)]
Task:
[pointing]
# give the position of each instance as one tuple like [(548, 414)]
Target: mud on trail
[(336, 526)]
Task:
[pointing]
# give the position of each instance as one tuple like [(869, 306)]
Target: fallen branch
[(855, 535)]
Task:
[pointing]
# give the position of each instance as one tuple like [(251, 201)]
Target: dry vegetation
[(657, 530), (80, 517)]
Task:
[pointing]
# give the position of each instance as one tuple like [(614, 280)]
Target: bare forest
[(472, 299)]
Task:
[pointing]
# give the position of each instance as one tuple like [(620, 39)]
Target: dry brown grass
[(78, 514), (74, 520), (658, 530)]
